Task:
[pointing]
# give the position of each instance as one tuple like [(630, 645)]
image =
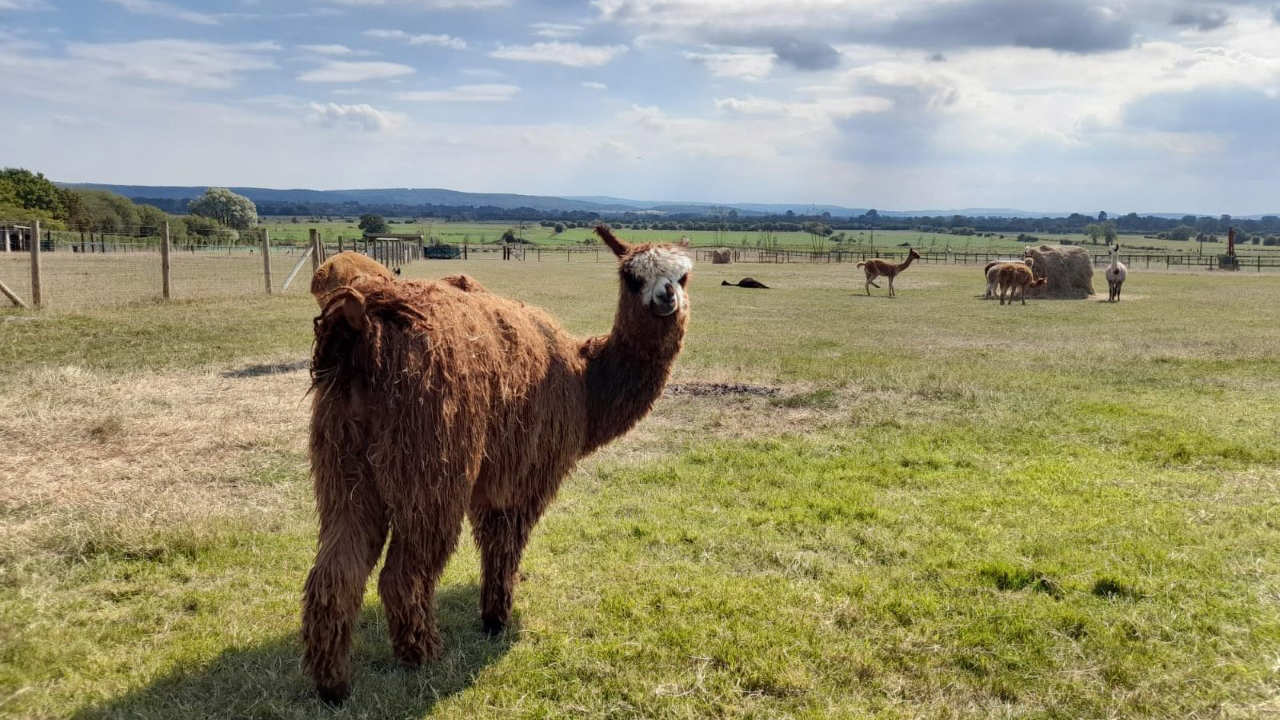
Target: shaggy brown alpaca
[(343, 269), (877, 267), (437, 399), (1013, 278)]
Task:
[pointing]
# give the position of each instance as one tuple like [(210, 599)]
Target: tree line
[(218, 217)]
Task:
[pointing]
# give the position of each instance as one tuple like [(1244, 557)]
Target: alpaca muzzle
[(666, 301)]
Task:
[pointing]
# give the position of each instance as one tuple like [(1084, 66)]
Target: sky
[(1042, 105)]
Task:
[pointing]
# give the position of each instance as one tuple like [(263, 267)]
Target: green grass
[(857, 240), (951, 509)]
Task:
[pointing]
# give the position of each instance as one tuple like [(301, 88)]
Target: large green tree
[(232, 210), (30, 191), (373, 223)]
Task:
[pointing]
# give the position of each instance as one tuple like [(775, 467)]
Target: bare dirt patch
[(719, 389)]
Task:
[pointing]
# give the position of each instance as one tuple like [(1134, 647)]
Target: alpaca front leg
[(891, 291), (420, 547), (501, 536), (349, 547)]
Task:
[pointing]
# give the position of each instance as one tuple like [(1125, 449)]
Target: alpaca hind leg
[(422, 539), (501, 536), (892, 293), (352, 529)]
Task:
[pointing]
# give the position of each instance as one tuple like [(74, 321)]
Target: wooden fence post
[(165, 287), (266, 259), (36, 297), (339, 243), (315, 250)]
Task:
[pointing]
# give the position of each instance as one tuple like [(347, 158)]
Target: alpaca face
[(657, 276)]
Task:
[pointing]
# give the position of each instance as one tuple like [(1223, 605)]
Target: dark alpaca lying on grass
[(746, 283), (435, 400)]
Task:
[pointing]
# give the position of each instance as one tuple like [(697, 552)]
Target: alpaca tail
[(350, 325), (860, 264)]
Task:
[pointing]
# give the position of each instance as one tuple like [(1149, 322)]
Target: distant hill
[(375, 196), (407, 198)]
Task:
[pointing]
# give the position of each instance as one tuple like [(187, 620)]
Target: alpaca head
[(913, 254), (655, 276)]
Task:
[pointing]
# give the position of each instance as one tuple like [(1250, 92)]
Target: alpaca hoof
[(493, 627), (334, 694)]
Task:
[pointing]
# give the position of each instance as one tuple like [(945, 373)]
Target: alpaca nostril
[(669, 292)]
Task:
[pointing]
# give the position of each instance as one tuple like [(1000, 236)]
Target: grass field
[(948, 509), (857, 240)]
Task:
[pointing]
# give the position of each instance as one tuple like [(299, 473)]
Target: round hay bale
[(1069, 271), (721, 257)]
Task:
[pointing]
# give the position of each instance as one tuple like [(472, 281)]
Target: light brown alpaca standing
[(991, 283), (877, 267), (1013, 278), (435, 400)]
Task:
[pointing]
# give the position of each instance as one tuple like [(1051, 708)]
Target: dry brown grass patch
[(103, 458)]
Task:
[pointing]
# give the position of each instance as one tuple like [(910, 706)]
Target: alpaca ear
[(346, 304), (616, 244)]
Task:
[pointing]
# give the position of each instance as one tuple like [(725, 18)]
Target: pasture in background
[(80, 270), (848, 505)]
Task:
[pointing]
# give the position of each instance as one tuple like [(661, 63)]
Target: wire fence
[(74, 271), (1166, 261), (86, 270)]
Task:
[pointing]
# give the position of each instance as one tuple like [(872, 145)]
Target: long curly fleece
[(435, 400)]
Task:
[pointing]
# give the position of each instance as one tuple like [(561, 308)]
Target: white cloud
[(571, 54), (341, 71), (827, 109), (430, 4), (555, 30), (740, 65), (335, 50), (593, 85), (162, 9), (463, 93), (444, 41), (365, 117), (24, 5), (185, 63)]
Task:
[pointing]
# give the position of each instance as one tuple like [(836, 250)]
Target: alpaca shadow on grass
[(266, 680), (253, 371)]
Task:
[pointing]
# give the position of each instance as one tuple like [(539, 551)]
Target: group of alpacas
[(435, 400), (1011, 280)]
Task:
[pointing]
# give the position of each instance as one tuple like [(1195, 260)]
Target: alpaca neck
[(905, 265), (627, 369)]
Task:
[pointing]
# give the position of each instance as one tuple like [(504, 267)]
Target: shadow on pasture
[(252, 371), (266, 680)]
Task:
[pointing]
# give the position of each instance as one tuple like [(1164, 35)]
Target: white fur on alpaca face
[(659, 272)]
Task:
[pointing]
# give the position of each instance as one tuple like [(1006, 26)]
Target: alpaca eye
[(634, 284)]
